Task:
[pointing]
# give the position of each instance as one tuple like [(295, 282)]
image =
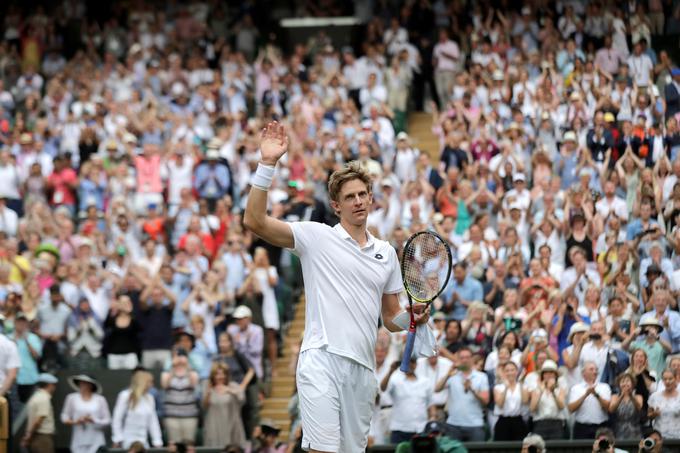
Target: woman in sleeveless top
[(547, 403), (222, 402), (508, 400), (627, 406), (181, 410)]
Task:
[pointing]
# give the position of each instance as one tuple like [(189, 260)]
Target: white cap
[(569, 136), (519, 177), (498, 75), (212, 154), (402, 136), (242, 312)]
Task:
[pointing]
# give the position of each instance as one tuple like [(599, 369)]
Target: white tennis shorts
[(336, 402)]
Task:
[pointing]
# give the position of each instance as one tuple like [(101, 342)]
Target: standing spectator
[(121, 343), (30, 349), (509, 397), (469, 394), (88, 412), (213, 178), (627, 408), (53, 317), (156, 305), (411, 402), (40, 430), (134, 415), (445, 58), (222, 402), (248, 337), (433, 369), (589, 402), (664, 407), (84, 335), (149, 184), (180, 405), (268, 278), (547, 403)]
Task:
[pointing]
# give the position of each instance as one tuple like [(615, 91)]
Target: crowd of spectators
[(127, 142)]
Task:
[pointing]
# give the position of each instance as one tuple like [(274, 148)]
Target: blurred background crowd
[(128, 135)]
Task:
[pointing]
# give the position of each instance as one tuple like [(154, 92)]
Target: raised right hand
[(273, 143)]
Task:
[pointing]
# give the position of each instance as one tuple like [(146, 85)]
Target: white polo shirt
[(9, 357), (410, 400), (344, 285), (590, 411)]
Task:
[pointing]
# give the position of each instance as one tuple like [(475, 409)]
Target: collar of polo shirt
[(345, 235)]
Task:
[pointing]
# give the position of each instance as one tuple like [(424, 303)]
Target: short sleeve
[(605, 391), (13, 359), (482, 384), (305, 235), (394, 284), (575, 393)]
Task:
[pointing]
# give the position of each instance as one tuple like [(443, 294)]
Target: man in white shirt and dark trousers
[(411, 402), (468, 396), (351, 280), (433, 369), (589, 402)]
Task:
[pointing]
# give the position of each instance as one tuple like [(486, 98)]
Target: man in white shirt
[(589, 402), (433, 369), (351, 280), (446, 57), (611, 203), (641, 66), (595, 350), (580, 275), (411, 402), (9, 182), (9, 220)]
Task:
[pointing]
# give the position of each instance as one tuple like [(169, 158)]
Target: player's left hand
[(421, 312)]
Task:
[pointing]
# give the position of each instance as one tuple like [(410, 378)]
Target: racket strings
[(424, 267)]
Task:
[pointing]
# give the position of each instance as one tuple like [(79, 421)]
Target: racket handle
[(408, 350)]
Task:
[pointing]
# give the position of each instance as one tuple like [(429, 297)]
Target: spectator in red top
[(195, 230), (149, 183), (62, 183), (483, 148)]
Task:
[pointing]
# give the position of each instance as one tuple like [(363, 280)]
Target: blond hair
[(138, 387), (349, 172)]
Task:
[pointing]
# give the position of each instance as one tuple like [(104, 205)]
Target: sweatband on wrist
[(262, 179)]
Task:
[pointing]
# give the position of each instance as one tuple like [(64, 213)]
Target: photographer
[(652, 344), (533, 443), (604, 442), (651, 443)]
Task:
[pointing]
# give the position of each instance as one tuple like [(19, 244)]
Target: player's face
[(353, 202)]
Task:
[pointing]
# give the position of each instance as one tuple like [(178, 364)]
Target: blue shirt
[(212, 182), (28, 372), (470, 290), (468, 411), (635, 227)]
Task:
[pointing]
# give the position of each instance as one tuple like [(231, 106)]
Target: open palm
[(273, 143)]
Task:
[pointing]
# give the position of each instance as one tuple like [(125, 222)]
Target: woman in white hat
[(88, 412), (547, 403), (577, 334)]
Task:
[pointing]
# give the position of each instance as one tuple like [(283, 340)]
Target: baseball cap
[(519, 177), (609, 117)]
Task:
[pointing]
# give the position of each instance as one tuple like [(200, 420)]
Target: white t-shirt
[(590, 353), (617, 205), (9, 357), (434, 374), (512, 406), (179, 177), (410, 401), (344, 285), (640, 68)]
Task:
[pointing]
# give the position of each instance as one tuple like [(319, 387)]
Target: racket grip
[(408, 350)]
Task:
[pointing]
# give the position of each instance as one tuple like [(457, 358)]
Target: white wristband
[(262, 179)]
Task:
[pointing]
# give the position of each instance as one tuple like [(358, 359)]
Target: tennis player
[(351, 280)]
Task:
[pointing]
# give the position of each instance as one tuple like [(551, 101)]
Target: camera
[(603, 445), (648, 443), (423, 444)]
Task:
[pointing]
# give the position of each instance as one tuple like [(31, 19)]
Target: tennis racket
[(425, 269)]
